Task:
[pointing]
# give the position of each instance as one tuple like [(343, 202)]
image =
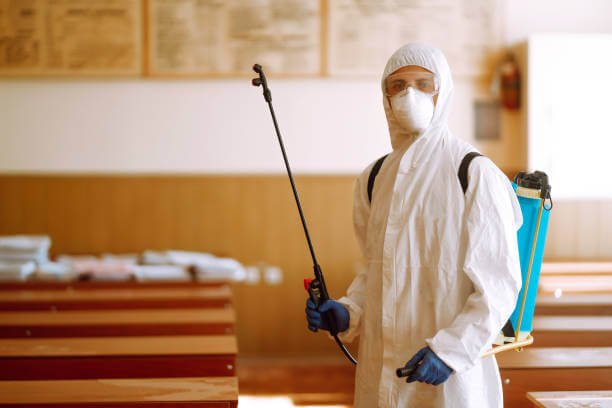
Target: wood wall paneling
[(250, 218)]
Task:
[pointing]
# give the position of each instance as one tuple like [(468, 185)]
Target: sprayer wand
[(315, 287)]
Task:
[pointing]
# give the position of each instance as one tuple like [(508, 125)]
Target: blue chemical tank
[(533, 192)]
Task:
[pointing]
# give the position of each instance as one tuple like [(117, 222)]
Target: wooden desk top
[(566, 323), (114, 285), (119, 346), (125, 317), (576, 268), (122, 390), (575, 299), (565, 399), (576, 283), (117, 294), (556, 357)]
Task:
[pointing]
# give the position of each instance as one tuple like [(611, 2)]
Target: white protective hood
[(442, 266), (433, 60)]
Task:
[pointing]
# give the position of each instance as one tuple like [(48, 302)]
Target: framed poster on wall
[(70, 37), (214, 38)]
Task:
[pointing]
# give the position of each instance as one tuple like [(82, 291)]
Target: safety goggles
[(422, 81)]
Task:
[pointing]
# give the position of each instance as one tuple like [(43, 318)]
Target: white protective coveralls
[(442, 267)]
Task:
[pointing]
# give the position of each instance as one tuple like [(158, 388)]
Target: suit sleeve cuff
[(455, 356), (355, 313)]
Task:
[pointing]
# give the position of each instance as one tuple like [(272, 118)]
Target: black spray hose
[(344, 350)]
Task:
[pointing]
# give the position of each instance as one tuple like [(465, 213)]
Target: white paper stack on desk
[(52, 271), (121, 267), (106, 268), (24, 248), (26, 258), (205, 265), (16, 271), (20, 255), (161, 273)]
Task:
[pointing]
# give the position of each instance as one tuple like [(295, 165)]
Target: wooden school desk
[(205, 392), (103, 299), (84, 285), (592, 304), (553, 369), (572, 331), (117, 357), (575, 284), (571, 399), (569, 268), (105, 323)]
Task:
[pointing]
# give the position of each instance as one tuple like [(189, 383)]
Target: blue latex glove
[(430, 368), (336, 310)]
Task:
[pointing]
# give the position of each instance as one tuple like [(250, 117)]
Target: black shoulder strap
[(463, 169), (373, 174), (463, 172)]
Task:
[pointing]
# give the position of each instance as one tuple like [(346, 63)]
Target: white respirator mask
[(413, 110)]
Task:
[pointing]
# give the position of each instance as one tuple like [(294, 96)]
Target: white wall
[(569, 112), (525, 17), (329, 126), (188, 126)]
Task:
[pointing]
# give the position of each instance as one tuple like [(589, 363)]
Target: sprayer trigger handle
[(307, 283), (315, 294)]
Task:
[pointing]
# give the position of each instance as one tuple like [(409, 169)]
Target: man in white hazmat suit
[(443, 271)]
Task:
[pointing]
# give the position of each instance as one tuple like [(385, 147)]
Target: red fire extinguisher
[(510, 79)]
